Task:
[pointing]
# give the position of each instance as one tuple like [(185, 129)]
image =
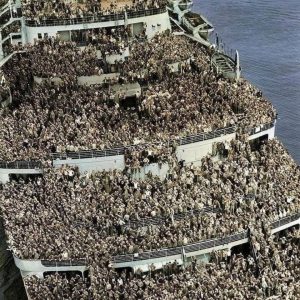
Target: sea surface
[(267, 35)]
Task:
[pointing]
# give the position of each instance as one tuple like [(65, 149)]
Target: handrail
[(206, 244), (95, 18), (261, 128), (180, 142), (285, 220), (156, 220), (21, 165), (202, 245), (161, 220), (11, 36), (64, 263), (9, 22), (121, 151)]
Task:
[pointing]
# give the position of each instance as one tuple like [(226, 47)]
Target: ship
[(168, 100)]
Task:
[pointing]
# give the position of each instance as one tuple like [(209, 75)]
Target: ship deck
[(105, 4)]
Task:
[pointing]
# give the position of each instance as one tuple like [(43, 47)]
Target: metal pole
[(1, 46), (10, 8)]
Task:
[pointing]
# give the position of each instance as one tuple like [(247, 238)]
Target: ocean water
[(267, 35)]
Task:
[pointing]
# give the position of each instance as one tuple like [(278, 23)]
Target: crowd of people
[(71, 209), (246, 188), (102, 204), (147, 60), (50, 118), (141, 156), (110, 41), (63, 214), (3, 2), (55, 58), (4, 88), (150, 59), (64, 9), (52, 57), (18, 75), (235, 277)]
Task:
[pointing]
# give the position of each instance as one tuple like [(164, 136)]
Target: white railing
[(95, 18), (179, 142), (21, 165), (121, 150), (203, 245), (127, 260)]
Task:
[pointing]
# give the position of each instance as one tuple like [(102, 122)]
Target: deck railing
[(64, 263), (177, 217), (168, 252), (261, 128), (94, 18), (285, 221), (121, 150), (21, 165), (180, 142), (206, 244), (197, 246), (154, 220)]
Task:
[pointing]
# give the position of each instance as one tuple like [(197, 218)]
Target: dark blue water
[(267, 35)]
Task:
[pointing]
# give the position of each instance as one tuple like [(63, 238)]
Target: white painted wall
[(156, 170), (97, 79), (35, 267), (270, 132), (193, 153), (112, 162), (4, 177), (94, 164)]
